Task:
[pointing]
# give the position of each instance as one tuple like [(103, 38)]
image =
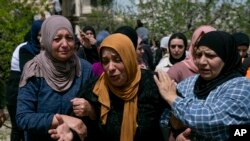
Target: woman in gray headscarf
[(50, 81)]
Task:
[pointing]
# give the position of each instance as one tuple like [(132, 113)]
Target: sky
[(124, 4)]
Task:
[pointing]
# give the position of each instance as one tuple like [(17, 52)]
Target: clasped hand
[(65, 128)]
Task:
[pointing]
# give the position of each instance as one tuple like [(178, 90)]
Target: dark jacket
[(150, 108)]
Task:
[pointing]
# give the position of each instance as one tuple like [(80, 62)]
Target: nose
[(111, 66), (64, 42), (176, 49), (203, 60)]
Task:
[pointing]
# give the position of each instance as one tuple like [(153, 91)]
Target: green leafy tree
[(165, 17), (16, 19)]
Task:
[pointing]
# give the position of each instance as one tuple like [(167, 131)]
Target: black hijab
[(86, 28), (225, 47), (33, 45), (241, 39), (130, 32), (177, 36)]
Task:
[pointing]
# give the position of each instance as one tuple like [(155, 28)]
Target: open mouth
[(113, 77), (204, 71)]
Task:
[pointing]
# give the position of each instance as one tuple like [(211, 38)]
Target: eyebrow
[(206, 51)]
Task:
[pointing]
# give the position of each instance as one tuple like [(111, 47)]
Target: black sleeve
[(94, 132), (92, 54), (246, 64), (24, 57), (158, 56), (148, 56), (81, 53)]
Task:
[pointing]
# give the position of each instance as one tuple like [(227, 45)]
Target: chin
[(117, 84), (177, 57), (207, 78), (63, 59)]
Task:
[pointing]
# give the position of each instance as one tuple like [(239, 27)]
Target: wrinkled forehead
[(108, 50), (205, 49)]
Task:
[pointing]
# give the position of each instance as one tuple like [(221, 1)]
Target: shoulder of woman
[(24, 50), (85, 63), (177, 68), (235, 82)]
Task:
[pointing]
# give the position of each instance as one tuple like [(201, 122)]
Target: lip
[(176, 54), (63, 52), (204, 71), (113, 77)]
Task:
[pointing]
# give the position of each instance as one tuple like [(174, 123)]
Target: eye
[(118, 60), (69, 38), (172, 46), (198, 54), (180, 46), (105, 61), (57, 39), (209, 55)]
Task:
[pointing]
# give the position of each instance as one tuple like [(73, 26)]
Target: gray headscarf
[(58, 75)]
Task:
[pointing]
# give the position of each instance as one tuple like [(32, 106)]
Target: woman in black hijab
[(217, 98), (88, 49)]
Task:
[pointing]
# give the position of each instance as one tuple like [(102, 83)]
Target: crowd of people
[(119, 86)]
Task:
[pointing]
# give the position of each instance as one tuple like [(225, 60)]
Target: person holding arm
[(125, 99), (184, 69), (210, 102), (50, 81)]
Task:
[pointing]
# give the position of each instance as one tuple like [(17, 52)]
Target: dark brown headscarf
[(59, 75)]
